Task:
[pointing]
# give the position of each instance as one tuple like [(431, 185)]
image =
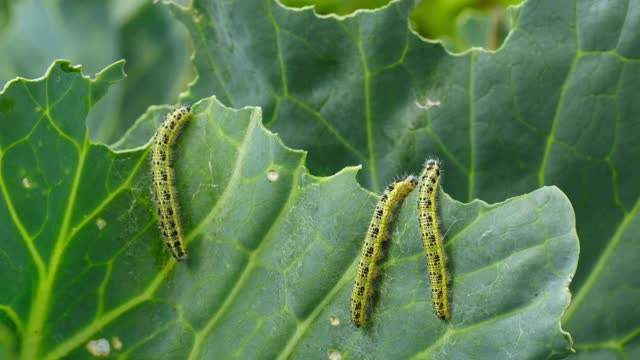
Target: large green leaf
[(557, 104), (272, 248)]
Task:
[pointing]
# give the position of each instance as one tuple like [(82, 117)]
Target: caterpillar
[(431, 238), (164, 190), (372, 247)]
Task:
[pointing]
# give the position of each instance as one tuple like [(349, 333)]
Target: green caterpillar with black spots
[(165, 195)]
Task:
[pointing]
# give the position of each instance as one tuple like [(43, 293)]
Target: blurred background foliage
[(459, 24), (96, 33)]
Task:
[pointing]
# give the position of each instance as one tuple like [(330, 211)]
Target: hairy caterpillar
[(164, 190), (431, 238), (371, 249)]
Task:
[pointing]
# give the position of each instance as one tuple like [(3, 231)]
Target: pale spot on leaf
[(101, 223), (100, 347)]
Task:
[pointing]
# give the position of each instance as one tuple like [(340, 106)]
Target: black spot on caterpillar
[(163, 181)]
